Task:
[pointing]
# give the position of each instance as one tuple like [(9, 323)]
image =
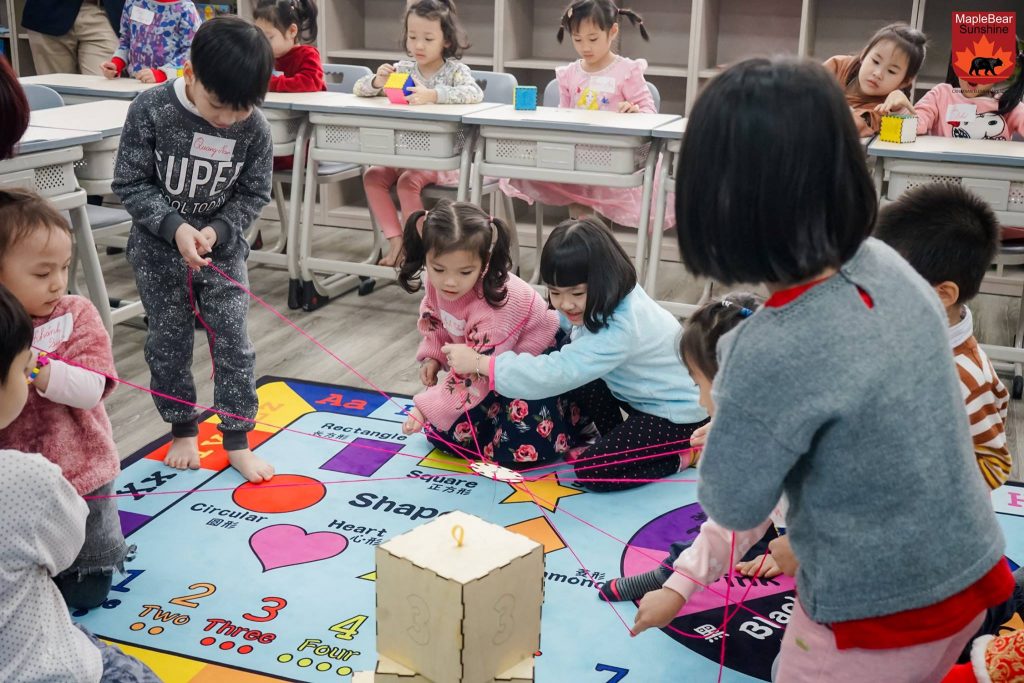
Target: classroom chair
[(499, 88), (40, 97), (551, 99), (345, 77)]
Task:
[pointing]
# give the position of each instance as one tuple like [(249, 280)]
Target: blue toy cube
[(525, 97)]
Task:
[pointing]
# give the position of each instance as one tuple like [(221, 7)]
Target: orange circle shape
[(283, 493)]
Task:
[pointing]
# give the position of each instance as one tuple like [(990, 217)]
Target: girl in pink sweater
[(959, 108), (598, 80), (472, 298), (64, 418)]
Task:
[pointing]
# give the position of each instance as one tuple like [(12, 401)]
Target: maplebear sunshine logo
[(984, 46)]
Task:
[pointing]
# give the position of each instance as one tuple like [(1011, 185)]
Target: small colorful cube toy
[(398, 87), (898, 128), (525, 97)]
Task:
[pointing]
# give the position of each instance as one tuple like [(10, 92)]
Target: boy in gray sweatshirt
[(194, 171)]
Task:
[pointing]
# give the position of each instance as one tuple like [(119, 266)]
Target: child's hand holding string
[(193, 244), (465, 361), (657, 610), (414, 422)]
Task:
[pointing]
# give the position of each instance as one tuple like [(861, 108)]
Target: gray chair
[(551, 99), (40, 97), (499, 88), (345, 77)]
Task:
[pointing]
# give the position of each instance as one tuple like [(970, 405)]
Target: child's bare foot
[(184, 453), (251, 466), (394, 254), (769, 569)]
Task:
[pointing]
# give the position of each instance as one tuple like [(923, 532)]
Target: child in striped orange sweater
[(949, 235)]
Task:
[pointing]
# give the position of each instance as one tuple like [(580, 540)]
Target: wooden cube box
[(898, 128), (459, 613), (388, 671)]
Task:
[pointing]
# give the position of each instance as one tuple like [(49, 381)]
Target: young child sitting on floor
[(42, 527), (65, 419)]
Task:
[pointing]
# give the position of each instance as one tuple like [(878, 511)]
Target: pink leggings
[(809, 654), (378, 181)]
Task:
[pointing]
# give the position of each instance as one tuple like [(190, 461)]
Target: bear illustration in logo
[(985, 66)]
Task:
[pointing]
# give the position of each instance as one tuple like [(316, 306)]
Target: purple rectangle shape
[(130, 521), (362, 457)]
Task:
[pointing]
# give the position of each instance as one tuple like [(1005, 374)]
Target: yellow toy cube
[(898, 128), (459, 599)]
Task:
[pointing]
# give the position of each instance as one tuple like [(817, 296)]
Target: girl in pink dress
[(598, 80)]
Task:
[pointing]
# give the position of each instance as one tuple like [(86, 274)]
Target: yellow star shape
[(547, 490)]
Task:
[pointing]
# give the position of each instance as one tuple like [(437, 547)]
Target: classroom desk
[(571, 146), (96, 170), (372, 131), (79, 88), (45, 163), (994, 169)]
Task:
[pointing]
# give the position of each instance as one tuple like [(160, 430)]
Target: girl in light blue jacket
[(620, 355)]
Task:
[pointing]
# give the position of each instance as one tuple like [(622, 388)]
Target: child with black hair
[(434, 40), (876, 81), (42, 527), (599, 80), (621, 356), (950, 236), (982, 114), (194, 171), (471, 297), (807, 405), (290, 27), (155, 38)]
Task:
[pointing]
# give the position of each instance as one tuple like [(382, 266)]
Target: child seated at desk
[(155, 37), (435, 41), (599, 80)]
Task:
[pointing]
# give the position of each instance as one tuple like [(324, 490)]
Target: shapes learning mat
[(233, 583)]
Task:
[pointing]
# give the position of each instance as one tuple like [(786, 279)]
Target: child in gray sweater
[(840, 392), (194, 171)]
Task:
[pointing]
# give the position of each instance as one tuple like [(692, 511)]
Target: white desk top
[(671, 131), (288, 100), (343, 103), (38, 139), (937, 148), (106, 117), (94, 86), (575, 120)]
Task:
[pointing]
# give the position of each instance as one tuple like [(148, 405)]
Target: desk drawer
[(98, 159), (385, 136), (1002, 188), (284, 125), (619, 155)]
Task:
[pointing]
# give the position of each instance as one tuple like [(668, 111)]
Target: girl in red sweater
[(290, 25)]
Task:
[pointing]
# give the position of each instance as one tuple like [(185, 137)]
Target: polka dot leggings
[(653, 443)]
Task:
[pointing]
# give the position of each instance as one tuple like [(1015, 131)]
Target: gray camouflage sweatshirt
[(173, 167)]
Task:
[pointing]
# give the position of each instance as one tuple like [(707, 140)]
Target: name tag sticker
[(142, 15), (960, 113), (455, 327), (212, 147), (49, 336), (604, 84)]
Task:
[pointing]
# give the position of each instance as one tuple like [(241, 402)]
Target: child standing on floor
[(65, 420), (155, 37), (598, 80), (434, 40), (194, 170), (960, 108), (806, 404), (42, 527), (876, 81), (472, 298), (290, 27), (622, 356)]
